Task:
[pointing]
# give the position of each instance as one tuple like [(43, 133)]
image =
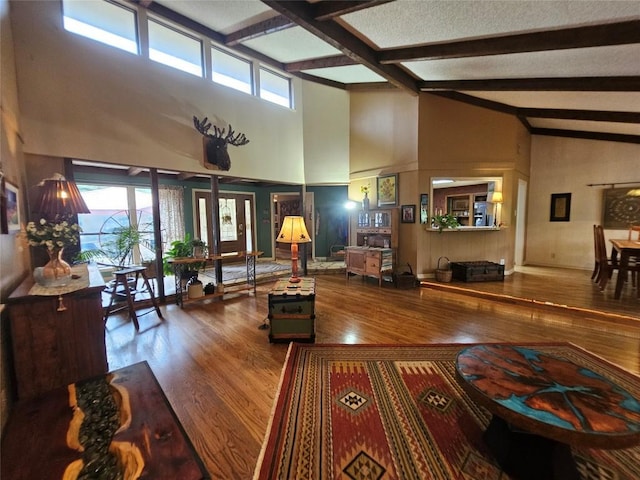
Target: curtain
[(171, 200)]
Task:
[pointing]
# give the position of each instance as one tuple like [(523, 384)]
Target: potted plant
[(444, 221), (181, 249), (199, 248)]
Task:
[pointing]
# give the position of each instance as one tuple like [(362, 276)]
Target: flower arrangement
[(364, 189), (52, 235)]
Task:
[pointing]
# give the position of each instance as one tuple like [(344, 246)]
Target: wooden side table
[(53, 346), (292, 311)]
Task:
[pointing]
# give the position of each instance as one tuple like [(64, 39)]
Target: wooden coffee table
[(541, 405)]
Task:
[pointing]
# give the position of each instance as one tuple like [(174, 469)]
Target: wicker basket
[(444, 274)]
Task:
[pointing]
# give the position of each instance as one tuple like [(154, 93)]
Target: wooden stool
[(124, 277)]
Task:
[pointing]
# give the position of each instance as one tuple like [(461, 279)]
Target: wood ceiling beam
[(609, 137), (329, 9), (620, 33), (337, 36), (577, 84), (134, 171), (324, 62), (586, 115), (272, 25)]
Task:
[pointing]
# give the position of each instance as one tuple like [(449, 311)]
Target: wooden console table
[(34, 443), (57, 339), (182, 263), (369, 261)]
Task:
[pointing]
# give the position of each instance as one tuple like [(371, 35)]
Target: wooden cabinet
[(292, 310), (371, 262), (376, 243), (54, 347)]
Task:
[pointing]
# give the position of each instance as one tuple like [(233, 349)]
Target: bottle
[(194, 288)]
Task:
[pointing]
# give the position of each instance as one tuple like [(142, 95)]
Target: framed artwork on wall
[(560, 207), (387, 188), (408, 213), (621, 208), (424, 208), (10, 208)]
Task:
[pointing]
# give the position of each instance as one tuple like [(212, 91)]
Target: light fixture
[(59, 198), (496, 198), (294, 232)]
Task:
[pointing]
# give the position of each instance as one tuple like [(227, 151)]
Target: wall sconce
[(294, 232), (59, 197)]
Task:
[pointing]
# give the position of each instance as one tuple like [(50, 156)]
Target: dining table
[(626, 249)]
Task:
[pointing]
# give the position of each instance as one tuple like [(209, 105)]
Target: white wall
[(82, 99), (566, 165)]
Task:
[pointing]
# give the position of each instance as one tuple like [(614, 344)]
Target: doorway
[(289, 203), (236, 219), (521, 216)]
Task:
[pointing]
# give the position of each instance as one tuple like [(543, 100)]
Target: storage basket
[(444, 274)]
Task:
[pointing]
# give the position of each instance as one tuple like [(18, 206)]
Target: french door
[(236, 220)]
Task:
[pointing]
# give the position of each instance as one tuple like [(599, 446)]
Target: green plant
[(444, 221), (180, 249), (118, 249)]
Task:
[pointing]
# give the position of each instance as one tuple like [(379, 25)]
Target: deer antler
[(202, 126), (238, 140)]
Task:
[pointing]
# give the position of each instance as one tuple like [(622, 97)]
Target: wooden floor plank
[(221, 374)]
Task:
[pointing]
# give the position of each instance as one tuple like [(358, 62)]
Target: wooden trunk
[(292, 311)]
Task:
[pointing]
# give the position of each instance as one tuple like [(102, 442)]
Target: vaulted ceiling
[(564, 68)]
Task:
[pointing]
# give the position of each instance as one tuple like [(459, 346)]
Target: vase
[(365, 202), (56, 269)]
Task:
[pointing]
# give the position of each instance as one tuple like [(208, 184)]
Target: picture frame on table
[(408, 213), (560, 207), (424, 208), (10, 207), (387, 189)]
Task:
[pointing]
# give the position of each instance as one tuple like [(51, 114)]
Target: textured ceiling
[(515, 56)]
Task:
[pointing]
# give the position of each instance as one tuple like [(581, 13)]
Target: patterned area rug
[(369, 412)]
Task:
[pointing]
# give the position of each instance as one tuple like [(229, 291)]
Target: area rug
[(236, 272), (368, 412)]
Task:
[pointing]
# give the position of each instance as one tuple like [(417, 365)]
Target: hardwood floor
[(221, 374)]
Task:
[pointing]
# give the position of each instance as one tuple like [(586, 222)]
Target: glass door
[(236, 220)]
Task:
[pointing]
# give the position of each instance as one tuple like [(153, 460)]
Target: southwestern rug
[(369, 412)]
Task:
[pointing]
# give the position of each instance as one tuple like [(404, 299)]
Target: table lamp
[(496, 198), (294, 232), (59, 198)]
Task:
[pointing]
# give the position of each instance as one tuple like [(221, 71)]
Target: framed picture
[(387, 188), (620, 208), (560, 207), (424, 208), (10, 208), (408, 213)]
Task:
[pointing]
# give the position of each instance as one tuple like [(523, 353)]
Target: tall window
[(104, 22), (275, 88), (174, 48), (231, 71)]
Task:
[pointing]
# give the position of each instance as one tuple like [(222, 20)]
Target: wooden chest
[(481, 271), (292, 311)]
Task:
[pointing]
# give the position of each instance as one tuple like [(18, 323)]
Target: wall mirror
[(472, 200)]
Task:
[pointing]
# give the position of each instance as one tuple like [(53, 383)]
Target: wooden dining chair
[(634, 229), (605, 267), (596, 264)]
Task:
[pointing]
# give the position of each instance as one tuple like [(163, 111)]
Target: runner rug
[(368, 412)]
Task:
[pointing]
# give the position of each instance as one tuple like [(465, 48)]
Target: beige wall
[(564, 165), (82, 99), (14, 257)]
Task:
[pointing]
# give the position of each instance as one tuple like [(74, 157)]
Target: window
[(275, 88), (231, 71), (104, 22), (175, 49)]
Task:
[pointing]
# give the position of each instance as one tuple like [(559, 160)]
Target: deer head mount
[(215, 144)]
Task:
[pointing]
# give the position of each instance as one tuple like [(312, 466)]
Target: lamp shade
[(293, 231), (59, 196), (496, 197)]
